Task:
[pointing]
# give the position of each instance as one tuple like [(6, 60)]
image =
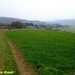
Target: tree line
[(20, 25), (14, 25)]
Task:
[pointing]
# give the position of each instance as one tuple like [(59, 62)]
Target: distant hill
[(10, 20), (63, 22), (40, 24)]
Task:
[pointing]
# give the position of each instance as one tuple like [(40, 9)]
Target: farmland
[(49, 52)]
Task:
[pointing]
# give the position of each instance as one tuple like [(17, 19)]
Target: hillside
[(63, 21), (10, 20)]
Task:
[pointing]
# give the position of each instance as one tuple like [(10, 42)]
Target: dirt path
[(21, 62)]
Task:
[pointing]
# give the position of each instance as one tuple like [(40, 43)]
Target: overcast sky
[(38, 9)]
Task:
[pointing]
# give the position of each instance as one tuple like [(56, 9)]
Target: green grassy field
[(7, 62), (50, 52)]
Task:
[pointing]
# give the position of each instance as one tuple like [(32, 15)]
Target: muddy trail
[(23, 67)]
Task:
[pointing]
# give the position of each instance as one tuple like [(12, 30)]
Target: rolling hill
[(10, 20), (63, 22)]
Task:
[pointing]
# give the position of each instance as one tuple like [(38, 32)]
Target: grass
[(50, 52), (7, 58)]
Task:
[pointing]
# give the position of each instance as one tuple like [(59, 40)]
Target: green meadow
[(49, 52)]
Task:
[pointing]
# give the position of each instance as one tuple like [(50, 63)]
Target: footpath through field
[(23, 67), (7, 63)]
